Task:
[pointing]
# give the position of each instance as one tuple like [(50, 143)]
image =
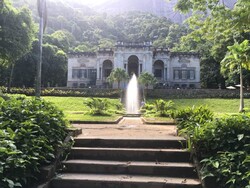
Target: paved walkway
[(128, 127)]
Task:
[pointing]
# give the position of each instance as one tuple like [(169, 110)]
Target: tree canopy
[(16, 32), (214, 25)]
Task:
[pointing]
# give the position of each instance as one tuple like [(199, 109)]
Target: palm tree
[(238, 56), (117, 75), (147, 79)]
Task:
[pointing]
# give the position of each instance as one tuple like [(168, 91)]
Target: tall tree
[(41, 6), (16, 34), (147, 79), (238, 57), (118, 75), (215, 25)]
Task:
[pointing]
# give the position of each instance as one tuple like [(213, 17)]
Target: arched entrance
[(133, 65), (158, 69), (107, 68)]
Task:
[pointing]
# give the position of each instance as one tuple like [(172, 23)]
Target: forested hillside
[(73, 26), (77, 27)]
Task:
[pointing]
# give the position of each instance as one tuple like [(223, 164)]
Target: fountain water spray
[(132, 96)]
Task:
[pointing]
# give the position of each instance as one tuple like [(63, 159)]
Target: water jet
[(132, 97)]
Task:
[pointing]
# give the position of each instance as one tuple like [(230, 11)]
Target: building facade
[(172, 69)]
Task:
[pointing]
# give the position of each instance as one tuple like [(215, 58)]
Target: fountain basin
[(132, 115)]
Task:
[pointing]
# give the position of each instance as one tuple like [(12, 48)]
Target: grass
[(75, 110), (218, 106)]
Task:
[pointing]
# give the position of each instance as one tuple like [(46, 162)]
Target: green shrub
[(103, 106), (231, 169), (97, 106), (159, 107), (222, 145), (190, 118), (225, 134), (77, 92), (31, 131), (163, 108)]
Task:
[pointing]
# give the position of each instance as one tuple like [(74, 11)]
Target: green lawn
[(218, 106), (74, 109)]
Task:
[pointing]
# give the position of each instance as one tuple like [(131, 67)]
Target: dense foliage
[(215, 25), (77, 29), (16, 35), (103, 106), (31, 132), (118, 75), (221, 145), (159, 107), (86, 92)]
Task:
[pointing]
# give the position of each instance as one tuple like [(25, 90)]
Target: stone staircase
[(128, 163)]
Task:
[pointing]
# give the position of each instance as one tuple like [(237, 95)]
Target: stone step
[(171, 142), (182, 170), (74, 180), (130, 154)]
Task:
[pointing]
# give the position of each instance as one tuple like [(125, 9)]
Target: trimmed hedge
[(88, 92), (117, 93)]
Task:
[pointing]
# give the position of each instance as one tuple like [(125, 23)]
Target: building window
[(166, 74), (191, 75), (75, 84), (74, 73), (92, 74), (84, 73), (184, 74), (176, 75)]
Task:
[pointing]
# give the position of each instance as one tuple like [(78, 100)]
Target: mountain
[(158, 7)]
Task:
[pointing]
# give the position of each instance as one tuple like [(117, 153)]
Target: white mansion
[(172, 69)]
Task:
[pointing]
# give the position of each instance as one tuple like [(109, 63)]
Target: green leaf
[(240, 136), (216, 164)]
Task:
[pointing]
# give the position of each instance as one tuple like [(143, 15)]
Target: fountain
[(132, 97)]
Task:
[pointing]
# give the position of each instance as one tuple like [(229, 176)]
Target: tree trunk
[(118, 84), (39, 63), (241, 109), (11, 76)]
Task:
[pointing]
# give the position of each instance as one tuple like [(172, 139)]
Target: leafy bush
[(231, 169), (222, 145), (189, 118), (103, 106), (160, 108), (163, 107), (31, 131), (225, 134), (97, 106)]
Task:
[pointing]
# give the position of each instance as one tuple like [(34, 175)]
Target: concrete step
[(130, 154), (121, 181), (182, 170), (171, 142)]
